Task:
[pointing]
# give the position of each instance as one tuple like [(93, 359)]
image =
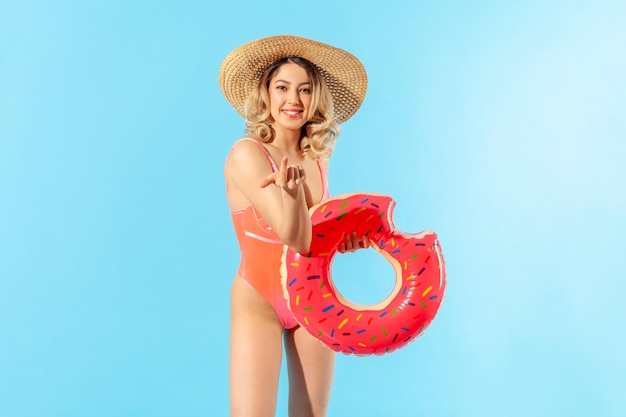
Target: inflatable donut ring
[(364, 329)]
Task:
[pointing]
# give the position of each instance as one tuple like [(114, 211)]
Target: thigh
[(255, 353), (311, 366)]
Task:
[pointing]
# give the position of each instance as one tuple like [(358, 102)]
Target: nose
[(294, 97)]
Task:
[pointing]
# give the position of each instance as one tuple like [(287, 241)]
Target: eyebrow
[(287, 82)]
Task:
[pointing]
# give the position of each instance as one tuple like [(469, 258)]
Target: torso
[(261, 249)]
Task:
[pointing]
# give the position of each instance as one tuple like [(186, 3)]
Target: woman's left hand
[(353, 243)]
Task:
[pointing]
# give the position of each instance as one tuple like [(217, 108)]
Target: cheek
[(274, 101), (306, 101), (272, 98)]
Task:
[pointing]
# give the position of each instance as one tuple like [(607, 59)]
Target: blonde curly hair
[(319, 133)]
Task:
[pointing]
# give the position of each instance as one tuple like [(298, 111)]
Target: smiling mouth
[(292, 113)]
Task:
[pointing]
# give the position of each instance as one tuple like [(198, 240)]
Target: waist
[(249, 224)]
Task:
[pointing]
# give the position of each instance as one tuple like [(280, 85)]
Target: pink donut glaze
[(357, 329)]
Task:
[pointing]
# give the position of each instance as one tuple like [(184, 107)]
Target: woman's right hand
[(288, 177), (294, 222)]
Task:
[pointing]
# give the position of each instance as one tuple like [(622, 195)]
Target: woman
[(293, 93)]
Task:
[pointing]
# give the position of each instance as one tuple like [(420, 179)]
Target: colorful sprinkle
[(427, 290), (330, 307)]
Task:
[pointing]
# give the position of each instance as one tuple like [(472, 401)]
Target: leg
[(310, 366), (255, 353)]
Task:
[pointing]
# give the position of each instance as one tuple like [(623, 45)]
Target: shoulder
[(246, 149), (248, 157)]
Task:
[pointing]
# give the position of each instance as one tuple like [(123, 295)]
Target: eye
[(305, 90), (281, 87)]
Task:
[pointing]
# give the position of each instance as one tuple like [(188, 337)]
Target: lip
[(292, 113)]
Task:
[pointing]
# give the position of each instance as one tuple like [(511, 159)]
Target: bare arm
[(278, 196)]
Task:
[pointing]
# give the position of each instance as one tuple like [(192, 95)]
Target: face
[(290, 97)]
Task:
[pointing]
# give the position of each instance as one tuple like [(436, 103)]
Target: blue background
[(500, 125)]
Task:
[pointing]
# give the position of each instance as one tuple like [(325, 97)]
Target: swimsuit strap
[(325, 192), (265, 152)]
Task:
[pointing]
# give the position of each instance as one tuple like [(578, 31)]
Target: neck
[(287, 139)]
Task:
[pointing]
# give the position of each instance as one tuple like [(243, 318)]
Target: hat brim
[(343, 73)]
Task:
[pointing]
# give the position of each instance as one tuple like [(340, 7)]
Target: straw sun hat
[(344, 74)]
